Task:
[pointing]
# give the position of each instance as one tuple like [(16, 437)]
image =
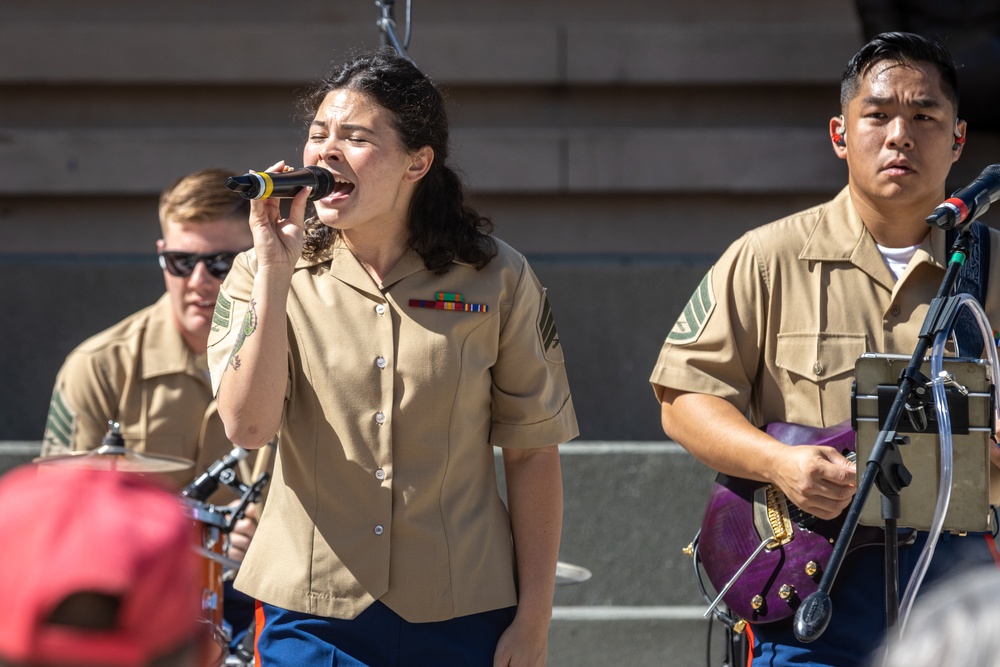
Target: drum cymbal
[(571, 574), (108, 457)]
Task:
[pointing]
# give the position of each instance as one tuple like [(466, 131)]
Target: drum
[(208, 541)]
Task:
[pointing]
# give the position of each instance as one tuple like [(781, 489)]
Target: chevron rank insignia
[(60, 424), (223, 312), (695, 315), (548, 335)]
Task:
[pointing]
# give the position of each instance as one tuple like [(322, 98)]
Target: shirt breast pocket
[(819, 370)]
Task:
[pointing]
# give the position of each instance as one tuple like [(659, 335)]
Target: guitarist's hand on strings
[(819, 480)]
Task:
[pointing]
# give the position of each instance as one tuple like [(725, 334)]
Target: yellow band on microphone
[(268, 185)]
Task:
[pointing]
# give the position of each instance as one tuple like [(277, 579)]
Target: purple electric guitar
[(767, 551)]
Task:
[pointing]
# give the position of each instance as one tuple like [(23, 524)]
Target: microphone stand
[(387, 27), (885, 465)]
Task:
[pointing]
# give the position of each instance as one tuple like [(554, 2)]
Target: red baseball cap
[(65, 531)]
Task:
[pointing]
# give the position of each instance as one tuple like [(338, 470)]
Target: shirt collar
[(838, 232), (164, 351), (344, 266), (840, 235)]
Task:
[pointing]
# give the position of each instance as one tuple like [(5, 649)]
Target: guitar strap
[(973, 278)]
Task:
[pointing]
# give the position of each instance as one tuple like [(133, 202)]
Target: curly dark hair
[(443, 228)]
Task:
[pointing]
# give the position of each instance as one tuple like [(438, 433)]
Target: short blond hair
[(202, 197)]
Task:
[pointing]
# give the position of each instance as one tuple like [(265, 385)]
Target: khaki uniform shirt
[(777, 325), (141, 374), (385, 485)]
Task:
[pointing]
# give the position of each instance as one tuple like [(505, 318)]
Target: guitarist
[(773, 331)]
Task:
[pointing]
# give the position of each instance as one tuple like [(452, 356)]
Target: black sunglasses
[(181, 264)]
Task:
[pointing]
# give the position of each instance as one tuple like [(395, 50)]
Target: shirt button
[(379, 418), (379, 474), (379, 529), (895, 311), (818, 368), (380, 362), (380, 309)]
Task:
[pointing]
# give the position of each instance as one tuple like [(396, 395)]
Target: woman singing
[(392, 342)]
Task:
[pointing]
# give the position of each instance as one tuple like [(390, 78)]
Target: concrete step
[(629, 510), (14, 453), (635, 637)]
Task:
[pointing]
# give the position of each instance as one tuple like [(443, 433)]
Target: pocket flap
[(819, 355)]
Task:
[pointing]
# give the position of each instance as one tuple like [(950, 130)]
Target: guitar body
[(741, 513)]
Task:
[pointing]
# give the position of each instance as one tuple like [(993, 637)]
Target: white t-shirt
[(898, 258)]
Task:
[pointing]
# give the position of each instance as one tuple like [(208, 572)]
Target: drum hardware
[(571, 574), (243, 653), (113, 455), (229, 564), (207, 483), (248, 494), (221, 518), (212, 525)]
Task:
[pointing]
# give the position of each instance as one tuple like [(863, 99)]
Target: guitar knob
[(812, 568), (786, 592), (757, 602)]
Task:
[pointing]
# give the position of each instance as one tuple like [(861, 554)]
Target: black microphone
[(207, 482), (970, 202), (285, 184)]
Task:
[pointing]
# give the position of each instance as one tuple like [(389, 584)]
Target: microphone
[(285, 184), (970, 202), (207, 482)]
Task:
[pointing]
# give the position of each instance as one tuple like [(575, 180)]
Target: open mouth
[(341, 188)]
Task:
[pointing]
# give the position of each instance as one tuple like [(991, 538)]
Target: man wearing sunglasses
[(149, 371)]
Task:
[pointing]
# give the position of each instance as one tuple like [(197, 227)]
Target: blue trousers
[(378, 637), (238, 611), (858, 596)]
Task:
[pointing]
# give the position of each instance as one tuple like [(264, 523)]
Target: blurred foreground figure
[(951, 625), (96, 568)]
